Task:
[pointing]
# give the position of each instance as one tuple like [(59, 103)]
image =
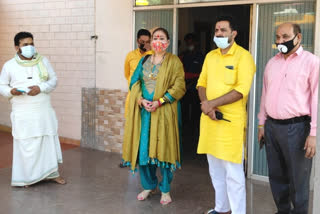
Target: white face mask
[(28, 51), (190, 48), (221, 42)]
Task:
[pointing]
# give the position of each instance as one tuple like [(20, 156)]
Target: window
[(153, 2)]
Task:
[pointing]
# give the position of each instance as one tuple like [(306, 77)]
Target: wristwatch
[(162, 101)]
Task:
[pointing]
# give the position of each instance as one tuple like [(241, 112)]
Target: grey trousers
[(289, 170)]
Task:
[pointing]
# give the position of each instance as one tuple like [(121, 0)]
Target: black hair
[(190, 36), (163, 30), (143, 32), (230, 19), (21, 35)]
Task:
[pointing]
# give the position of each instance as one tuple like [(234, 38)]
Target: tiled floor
[(96, 185)]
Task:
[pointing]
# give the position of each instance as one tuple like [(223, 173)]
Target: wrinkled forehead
[(284, 29)]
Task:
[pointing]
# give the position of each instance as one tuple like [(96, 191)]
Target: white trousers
[(229, 183)]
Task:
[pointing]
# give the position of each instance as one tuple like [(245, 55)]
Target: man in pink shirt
[(288, 119)]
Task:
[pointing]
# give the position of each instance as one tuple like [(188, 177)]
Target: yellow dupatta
[(36, 60), (164, 143)]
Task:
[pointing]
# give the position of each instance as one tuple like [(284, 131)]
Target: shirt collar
[(145, 53), (231, 50), (138, 52), (297, 53)]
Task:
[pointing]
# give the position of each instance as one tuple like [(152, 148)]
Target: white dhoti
[(229, 183), (36, 149)]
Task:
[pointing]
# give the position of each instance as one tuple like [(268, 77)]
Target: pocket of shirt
[(230, 76), (297, 82)]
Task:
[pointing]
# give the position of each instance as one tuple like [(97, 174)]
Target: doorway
[(197, 24)]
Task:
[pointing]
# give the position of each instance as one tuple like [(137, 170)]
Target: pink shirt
[(290, 88)]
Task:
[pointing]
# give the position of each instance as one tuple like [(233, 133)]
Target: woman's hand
[(155, 105), (147, 105)]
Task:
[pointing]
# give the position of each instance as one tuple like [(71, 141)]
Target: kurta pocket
[(230, 76)]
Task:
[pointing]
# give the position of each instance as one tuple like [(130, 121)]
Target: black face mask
[(141, 47), (287, 46)]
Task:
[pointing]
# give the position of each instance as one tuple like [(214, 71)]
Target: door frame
[(252, 49)]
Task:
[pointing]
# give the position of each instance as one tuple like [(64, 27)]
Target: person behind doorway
[(288, 119), (152, 129), (223, 86), (192, 60), (27, 80), (133, 57)]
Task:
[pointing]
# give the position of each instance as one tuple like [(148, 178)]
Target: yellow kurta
[(220, 75), (130, 65)]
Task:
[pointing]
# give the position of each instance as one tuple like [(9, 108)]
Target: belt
[(291, 120)]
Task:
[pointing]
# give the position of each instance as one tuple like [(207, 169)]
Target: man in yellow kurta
[(133, 57), (224, 86)]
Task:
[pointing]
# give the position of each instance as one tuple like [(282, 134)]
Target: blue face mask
[(221, 42), (28, 51)]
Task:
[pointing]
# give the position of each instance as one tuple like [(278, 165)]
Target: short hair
[(163, 30), (296, 28), (232, 23), (190, 36), (143, 32), (21, 35)]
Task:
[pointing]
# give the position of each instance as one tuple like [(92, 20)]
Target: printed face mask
[(287, 46), (159, 45), (221, 42), (28, 51)]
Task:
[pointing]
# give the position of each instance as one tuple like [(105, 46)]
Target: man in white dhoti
[(27, 81)]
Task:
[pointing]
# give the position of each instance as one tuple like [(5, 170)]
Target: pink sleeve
[(314, 82), (262, 116)]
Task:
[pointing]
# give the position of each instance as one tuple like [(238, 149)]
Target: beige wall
[(114, 27), (62, 30)]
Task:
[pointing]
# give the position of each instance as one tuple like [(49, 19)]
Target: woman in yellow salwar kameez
[(152, 130)]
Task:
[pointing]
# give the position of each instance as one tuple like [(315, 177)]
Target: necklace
[(29, 72), (153, 58), (152, 75)]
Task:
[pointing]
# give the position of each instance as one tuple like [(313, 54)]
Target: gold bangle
[(260, 126)]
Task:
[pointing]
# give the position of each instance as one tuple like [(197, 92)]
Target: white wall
[(62, 30), (114, 27)]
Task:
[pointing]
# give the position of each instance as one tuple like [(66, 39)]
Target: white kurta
[(36, 146)]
